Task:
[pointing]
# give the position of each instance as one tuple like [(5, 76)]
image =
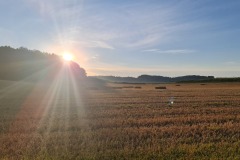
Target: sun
[(67, 57)]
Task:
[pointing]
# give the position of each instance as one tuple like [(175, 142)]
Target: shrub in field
[(128, 87), (138, 87), (163, 87), (117, 87)]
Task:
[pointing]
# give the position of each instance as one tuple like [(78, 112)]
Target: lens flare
[(67, 57)]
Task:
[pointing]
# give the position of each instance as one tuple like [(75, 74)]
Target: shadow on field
[(12, 96), (35, 116)]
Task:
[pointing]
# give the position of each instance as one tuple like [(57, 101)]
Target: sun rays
[(50, 105), (62, 95)]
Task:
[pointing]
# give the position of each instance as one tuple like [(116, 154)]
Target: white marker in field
[(171, 101)]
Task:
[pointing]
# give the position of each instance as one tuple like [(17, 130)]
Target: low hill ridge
[(154, 79)]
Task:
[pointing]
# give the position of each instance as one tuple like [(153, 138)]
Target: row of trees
[(154, 79), (22, 63)]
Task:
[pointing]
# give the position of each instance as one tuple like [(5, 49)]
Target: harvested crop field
[(188, 121)]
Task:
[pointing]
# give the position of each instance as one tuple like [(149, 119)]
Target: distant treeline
[(154, 79), (237, 79), (22, 63)]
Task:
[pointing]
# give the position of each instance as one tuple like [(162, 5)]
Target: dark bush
[(163, 87)]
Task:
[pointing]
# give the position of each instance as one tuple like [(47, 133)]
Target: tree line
[(154, 79), (22, 63)]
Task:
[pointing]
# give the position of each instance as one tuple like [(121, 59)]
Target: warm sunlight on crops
[(64, 121)]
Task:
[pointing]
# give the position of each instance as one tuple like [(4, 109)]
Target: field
[(126, 121)]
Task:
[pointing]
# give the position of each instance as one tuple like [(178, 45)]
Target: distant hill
[(32, 65), (215, 80), (154, 79)]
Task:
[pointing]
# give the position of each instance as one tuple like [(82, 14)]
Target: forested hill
[(154, 79), (25, 64)]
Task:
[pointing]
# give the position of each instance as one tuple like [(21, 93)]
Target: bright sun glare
[(67, 57)]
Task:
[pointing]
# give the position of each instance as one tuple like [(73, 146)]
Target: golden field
[(123, 121)]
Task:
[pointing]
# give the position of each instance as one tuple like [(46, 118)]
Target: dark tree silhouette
[(22, 63), (78, 70)]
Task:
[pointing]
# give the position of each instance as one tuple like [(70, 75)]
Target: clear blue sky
[(130, 37)]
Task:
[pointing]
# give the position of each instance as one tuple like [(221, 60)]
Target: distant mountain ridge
[(154, 79)]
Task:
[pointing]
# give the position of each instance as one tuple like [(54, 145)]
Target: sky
[(130, 37)]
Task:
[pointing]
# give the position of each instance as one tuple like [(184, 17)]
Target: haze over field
[(130, 38)]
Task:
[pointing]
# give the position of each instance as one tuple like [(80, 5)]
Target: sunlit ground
[(38, 113), (58, 119)]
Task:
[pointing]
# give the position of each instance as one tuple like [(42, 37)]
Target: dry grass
[(72, 123)]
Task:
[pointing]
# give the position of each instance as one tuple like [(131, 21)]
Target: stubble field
[(125, 121)]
